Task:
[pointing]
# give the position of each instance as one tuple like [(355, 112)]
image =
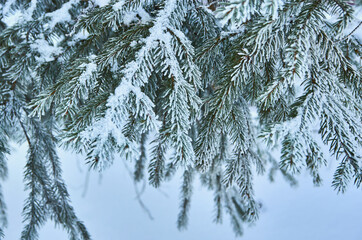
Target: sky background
[(110, 211)]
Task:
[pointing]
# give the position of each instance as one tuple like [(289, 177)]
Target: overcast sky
[(111, 212)]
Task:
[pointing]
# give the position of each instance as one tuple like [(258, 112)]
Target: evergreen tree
[(112, 77)]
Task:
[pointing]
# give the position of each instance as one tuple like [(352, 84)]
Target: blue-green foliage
[(200, 82)]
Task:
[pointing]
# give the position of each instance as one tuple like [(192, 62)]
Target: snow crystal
[(7, 6), (145, 17), (101, 3), (133, 43), (118, 6), (47, 51), (81, 35), (132, 16), (61, 15), (90, 68), (10, 18), (31, 9), (129, 17)]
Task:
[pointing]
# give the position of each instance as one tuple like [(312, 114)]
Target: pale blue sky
[(111, 212)]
